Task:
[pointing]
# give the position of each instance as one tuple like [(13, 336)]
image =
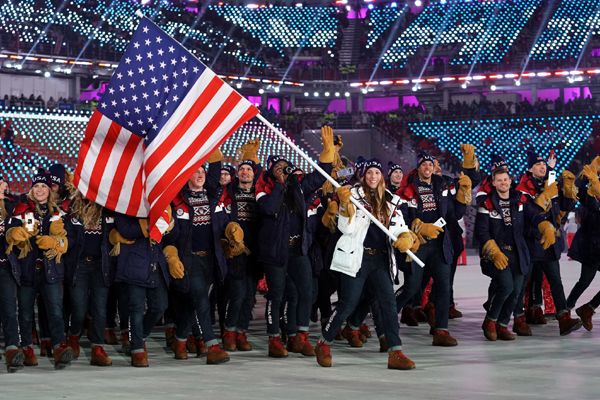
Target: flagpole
[(336, 185)]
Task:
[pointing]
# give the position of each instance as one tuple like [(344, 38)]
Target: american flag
[(162, 114)]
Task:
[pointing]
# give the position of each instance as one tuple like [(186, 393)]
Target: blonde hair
[(86, 211), (52, 207), (377, 201)]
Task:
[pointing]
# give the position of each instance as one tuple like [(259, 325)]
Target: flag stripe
[(190, 137), (133, 208), (184, 124), (102, 160), (92, 156), (84, 148), (178, 183), (193, 148), (123, 165)]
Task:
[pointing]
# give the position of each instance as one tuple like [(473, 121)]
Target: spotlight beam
[(390, 40), (593, 24), (483, 39), (93, 35), (197, 19), (541, 28)]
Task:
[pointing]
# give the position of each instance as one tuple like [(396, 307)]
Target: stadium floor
[(544, 366)]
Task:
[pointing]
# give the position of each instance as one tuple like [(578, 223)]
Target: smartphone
[(551, 177), (441, 222), (346, 172), (29, 222)]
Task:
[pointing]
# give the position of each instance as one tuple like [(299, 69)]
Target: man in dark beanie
[(545, 207), (395, 175)]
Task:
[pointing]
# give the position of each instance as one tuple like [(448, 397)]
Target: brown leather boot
[(505, 334), (110, 337), (293, 345), (63, 355), (99, 357), (443, 338), (201, 349), (276, 348), (73, 343), (323, 352), (520, 326), (567, 324), (420, 315), (30, 358), (430, 312), (453, 313), (14, 360), (407, 317), (538, 317), (383, 344), (180, 349), (216, 355), (586, 312), (489, 330), (354, 338), (307, 348), (397, 360), (365, 332), (242, 343), (139, 359), (190, 344), (229, 339)]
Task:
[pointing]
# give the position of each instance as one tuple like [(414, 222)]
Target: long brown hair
[(88, 212), (377, 201), (3, 212)]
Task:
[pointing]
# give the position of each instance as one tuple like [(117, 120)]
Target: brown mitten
[(328, 218), (463, 194), (404, 242), (115, 238), (548, 234), (176, 268), (468, 152), (493, 252), (569, 189), (327, 155)]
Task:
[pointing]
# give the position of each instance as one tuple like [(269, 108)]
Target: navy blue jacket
[(531, 188), (54, 271), (137, 262), (75, 234), (4, 263), (448, 207), (489, 225), (585, 246), (273, 233)]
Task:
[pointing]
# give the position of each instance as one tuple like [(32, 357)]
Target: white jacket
[(348, 254)]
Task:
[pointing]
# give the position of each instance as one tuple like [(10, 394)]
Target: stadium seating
[(380, 19), (568, 30), (285, 27), (511, 137), (485, 30)]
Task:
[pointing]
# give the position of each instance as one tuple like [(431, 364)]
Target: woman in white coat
[(364, 256)]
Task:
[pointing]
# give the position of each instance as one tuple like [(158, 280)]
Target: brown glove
[(428, 231), (328, 218), (215, 156), (596, 164), (347, 209), (327, 155), (18, 236), (249, 150), (54, 245), (416, 242), (115, 238), (569, 189), (465, 187), (493, 252), (548, 234), (589, 171), (176, 268), (468, 152), (405, 242), (544, 199), (234, 232), (58, 228)]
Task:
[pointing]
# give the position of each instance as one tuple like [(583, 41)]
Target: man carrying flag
[(163, 113)]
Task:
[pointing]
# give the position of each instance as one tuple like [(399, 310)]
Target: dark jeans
[(507, 286), (374, 274), (433, 257), (588, 272), (298, 293), (117, 304), (193, 308), (151, 300), (366, 304), (8, 307), (52, 297), (236, 285), (248, 303), (552, 271), (89, 291)]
